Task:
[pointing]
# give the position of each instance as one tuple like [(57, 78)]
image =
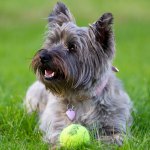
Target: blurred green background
[(22, 27)]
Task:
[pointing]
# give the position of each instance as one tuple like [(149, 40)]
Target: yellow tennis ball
[(74, 136)]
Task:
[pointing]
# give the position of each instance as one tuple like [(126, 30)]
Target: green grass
[(22, 24)]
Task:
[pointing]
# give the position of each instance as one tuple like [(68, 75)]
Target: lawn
[(22, 25)]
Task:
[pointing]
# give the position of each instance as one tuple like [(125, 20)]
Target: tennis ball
[(74, 136)]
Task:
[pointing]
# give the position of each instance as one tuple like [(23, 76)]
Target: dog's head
[(72, 57)]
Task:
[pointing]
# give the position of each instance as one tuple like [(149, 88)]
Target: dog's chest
[(83, 111)]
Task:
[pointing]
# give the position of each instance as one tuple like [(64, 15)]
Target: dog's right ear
[(60, 15)]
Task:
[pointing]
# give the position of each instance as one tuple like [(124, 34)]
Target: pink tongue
[(49, 73)]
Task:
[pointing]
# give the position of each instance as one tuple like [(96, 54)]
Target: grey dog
[(76, 83)]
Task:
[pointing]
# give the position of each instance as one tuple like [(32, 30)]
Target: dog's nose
[(44, 57)]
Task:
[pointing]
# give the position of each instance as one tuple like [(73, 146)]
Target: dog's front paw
[(118, 139), (36, 97), (113, 139)]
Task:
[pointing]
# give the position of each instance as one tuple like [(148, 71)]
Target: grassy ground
[(22, 24)]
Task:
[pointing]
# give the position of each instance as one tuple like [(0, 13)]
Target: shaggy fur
[(74, 67)]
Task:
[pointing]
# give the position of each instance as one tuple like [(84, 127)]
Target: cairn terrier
[(76, 82)]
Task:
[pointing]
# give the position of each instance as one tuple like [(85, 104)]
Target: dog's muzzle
[(45, 59)]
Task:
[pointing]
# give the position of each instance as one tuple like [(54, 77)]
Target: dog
[(75, 80)]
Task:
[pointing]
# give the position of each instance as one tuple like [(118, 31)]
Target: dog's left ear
[(102, 29), (60, 15)]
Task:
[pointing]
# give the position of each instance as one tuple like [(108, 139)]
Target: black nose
[(44, 56)]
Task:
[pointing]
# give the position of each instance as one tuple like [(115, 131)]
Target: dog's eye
[(71, 47)]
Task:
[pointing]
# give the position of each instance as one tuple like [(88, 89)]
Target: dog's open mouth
[(49, 74), (52, 74)]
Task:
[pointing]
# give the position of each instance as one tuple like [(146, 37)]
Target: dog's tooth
[(52, 74)]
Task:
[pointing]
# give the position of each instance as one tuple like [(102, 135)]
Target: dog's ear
[(102, 29), (60, 15)]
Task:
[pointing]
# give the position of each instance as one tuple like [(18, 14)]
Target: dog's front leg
[(53, 121), (36, 98)]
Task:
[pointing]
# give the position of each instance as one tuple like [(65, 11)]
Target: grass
[(22, 25)]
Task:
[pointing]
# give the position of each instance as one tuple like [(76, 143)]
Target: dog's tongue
[(49, 74)]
